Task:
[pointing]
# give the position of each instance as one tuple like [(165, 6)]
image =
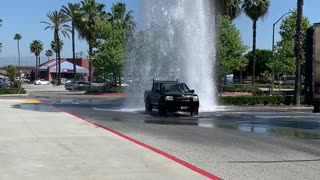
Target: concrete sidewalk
[(51, 145)]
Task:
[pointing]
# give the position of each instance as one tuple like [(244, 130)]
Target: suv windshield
[(175, 88)]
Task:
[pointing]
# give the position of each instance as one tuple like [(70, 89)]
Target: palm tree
[(72, 12), (231, 8), (0, 43), (121, 18), (18, 37), (36, 47), (91, 13), (49, 53), (55, 49), (255, 9), (58, 24), (298, 51)]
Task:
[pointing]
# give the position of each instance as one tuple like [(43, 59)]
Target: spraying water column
[(178, 42)]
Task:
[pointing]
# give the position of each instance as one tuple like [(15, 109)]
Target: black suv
[(171, 96)]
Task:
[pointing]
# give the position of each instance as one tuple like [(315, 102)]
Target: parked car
[(76, 84), (288, 80), (41, 82), (3, 84)]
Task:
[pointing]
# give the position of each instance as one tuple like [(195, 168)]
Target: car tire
[(148, 105), (194, 111), (161, 108)]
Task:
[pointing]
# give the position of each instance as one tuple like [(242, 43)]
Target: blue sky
[(24, 17)]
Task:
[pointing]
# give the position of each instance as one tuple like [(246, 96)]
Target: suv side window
[(154, 87)]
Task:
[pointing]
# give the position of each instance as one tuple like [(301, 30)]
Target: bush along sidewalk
[(12, 91), (102, 89), (257, 100)]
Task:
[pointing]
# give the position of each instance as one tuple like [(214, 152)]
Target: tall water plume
[(178, 43)]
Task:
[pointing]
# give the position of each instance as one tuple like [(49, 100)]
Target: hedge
[(12, 91), (239, 88), (256, 100), (102, 89)]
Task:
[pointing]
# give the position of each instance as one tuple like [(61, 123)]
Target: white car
[(41, 82)]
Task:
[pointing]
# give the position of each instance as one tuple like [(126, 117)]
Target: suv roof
[(155, 81)]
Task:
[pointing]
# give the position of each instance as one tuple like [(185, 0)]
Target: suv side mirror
[(157, 91), (192, 91)]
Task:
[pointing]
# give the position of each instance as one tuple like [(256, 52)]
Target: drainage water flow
[(178, 42)]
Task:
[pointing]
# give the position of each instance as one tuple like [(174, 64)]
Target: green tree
[(49, 53), (231, 8), (230, 48), (91, 13), (255, 9), (298, 48), (285, 56), (36, 47), (18, 37), (263, 62), (12, 72), (110, 54), (54, 46), (55, 49), (120, 17), (72, 12), (58, 23)]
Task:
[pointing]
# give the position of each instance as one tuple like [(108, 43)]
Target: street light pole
[(274, 24)]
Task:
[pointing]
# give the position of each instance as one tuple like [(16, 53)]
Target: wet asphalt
[(233, 142)]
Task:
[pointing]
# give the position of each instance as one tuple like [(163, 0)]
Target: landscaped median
[(101, 90), (12, 91), (257, 100)]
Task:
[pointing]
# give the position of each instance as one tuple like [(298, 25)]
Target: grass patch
[(12, 91)]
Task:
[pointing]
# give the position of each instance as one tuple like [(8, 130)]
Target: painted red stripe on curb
[(190, 166)]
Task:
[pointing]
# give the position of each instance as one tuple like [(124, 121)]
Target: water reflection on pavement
[(297, 124)]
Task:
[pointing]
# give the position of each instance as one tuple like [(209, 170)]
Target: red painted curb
[(177, 160)]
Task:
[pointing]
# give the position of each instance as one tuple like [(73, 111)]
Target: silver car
[(76, 84)]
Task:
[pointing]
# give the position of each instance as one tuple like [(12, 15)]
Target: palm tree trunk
[(254, 28), (298, 52), (74, 54), (90, 65), (56, 76), (36, 74), (19, 54), (59, 60)]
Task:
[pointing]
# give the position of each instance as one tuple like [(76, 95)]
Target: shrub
[(12, 91), (243, 88), (103, 89), (254, 100)]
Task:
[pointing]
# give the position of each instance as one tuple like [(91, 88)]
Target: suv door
[(155, 94)]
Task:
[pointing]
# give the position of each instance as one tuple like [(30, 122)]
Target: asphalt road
[(232, 143)]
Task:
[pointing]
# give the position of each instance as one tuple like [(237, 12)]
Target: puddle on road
[(35, 107), (296, 132)]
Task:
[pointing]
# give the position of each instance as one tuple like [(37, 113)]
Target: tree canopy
[(230, 48), (285, 57)]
